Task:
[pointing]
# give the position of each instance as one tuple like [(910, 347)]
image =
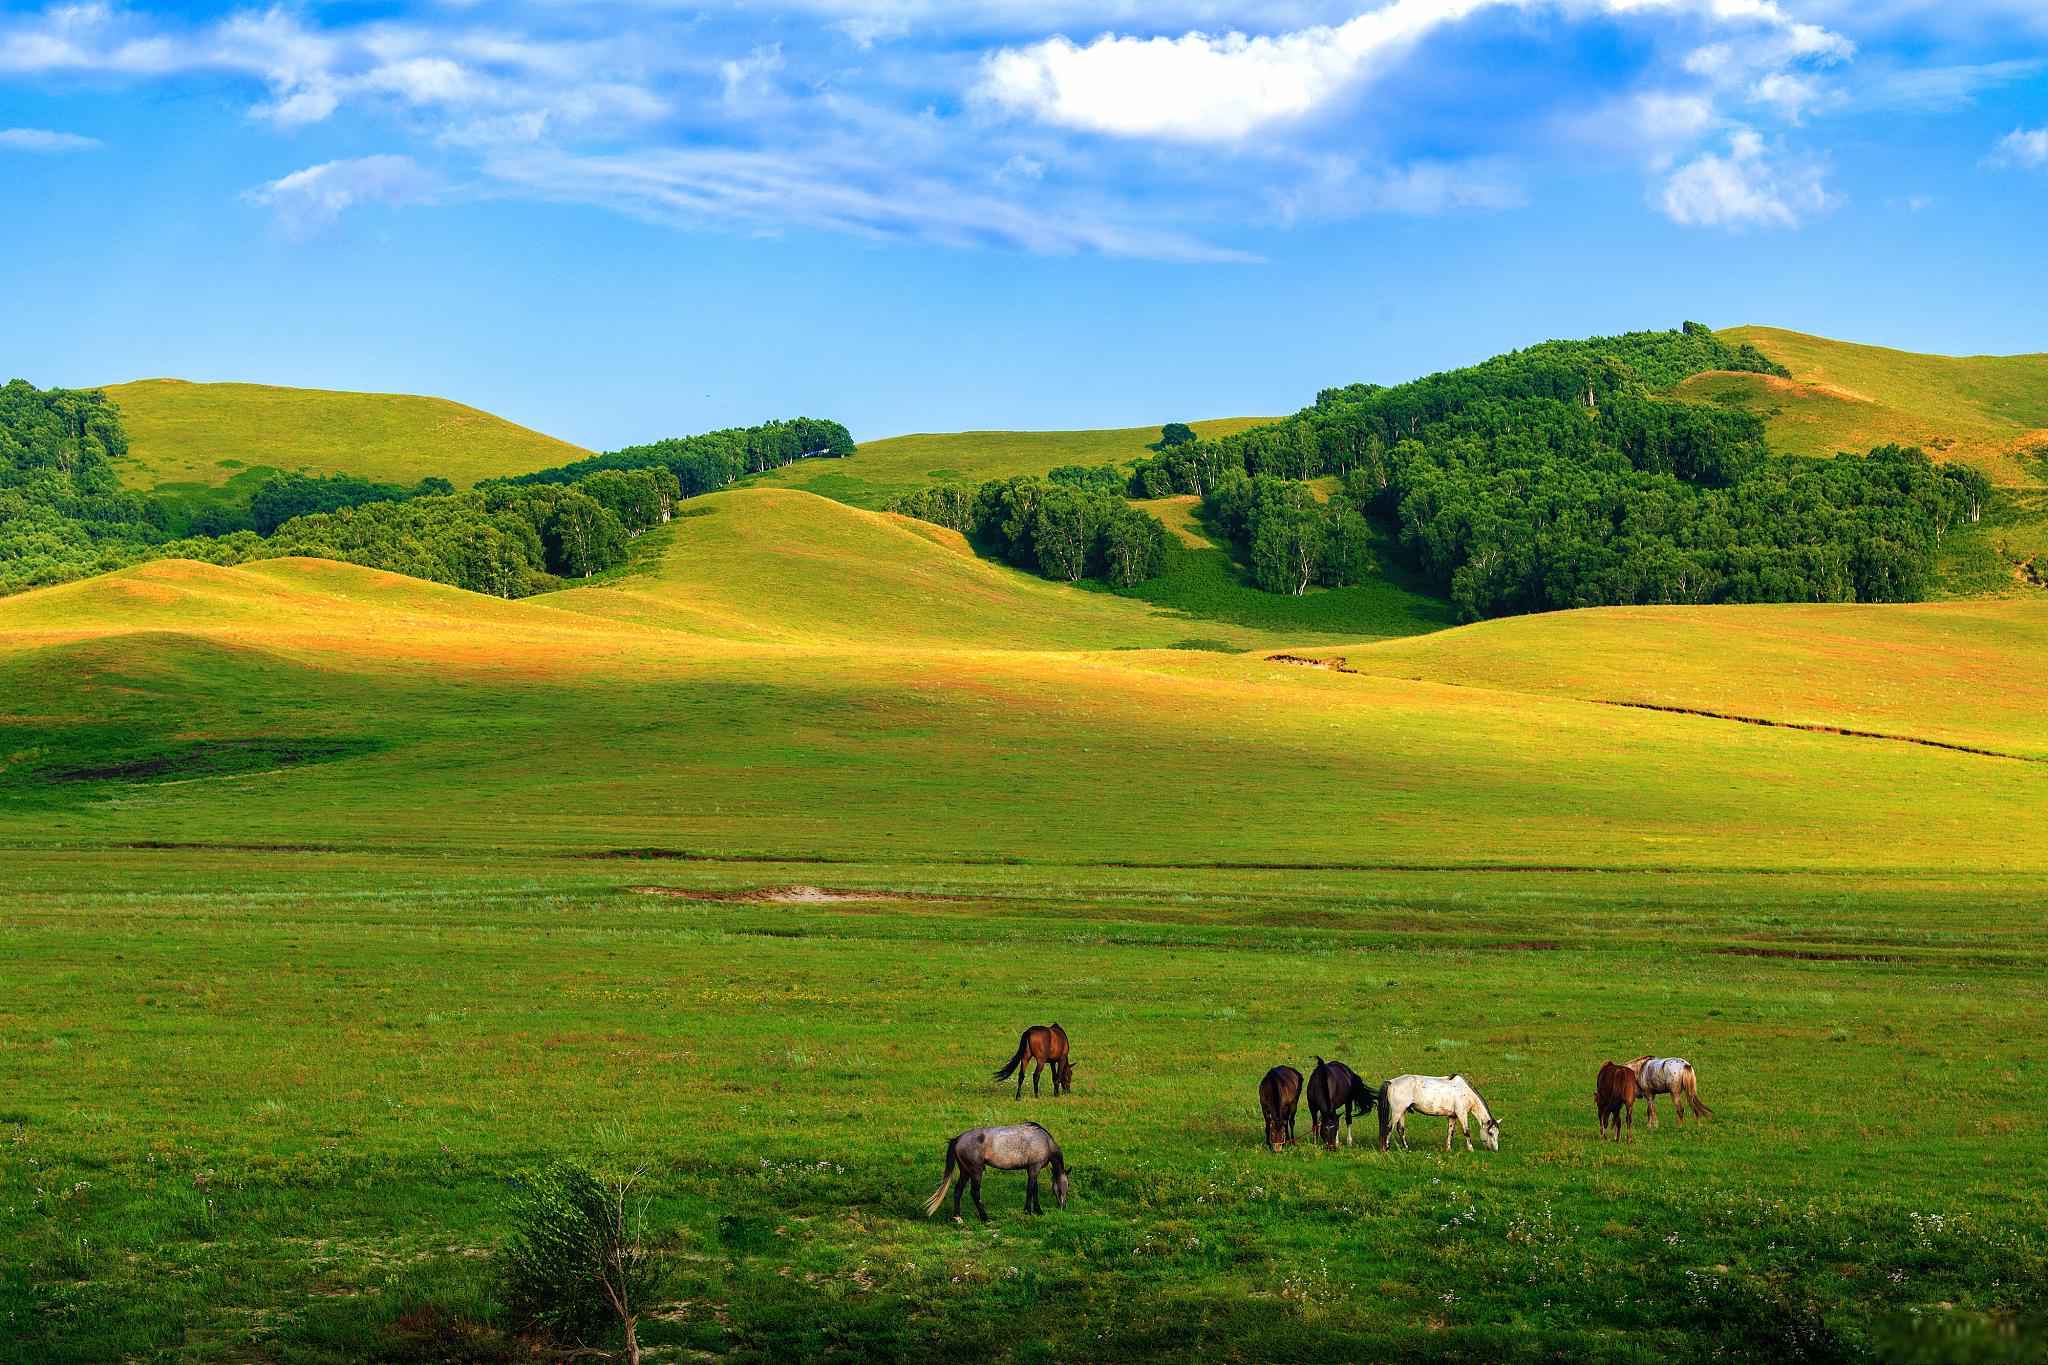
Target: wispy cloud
[(44, 140), (310, 202), (767, 191), (1173, 129)]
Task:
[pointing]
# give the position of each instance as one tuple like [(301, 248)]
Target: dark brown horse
[(1279, 1097), (1614, 1097), (1333, 1088), (1043, 1047)]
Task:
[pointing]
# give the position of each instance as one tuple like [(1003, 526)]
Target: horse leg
[(1037, 1070), (977, 1195), (1631, 1122), (959, 1193), (1031, 1190), (1652, 1098), (1450, 1127), (1020, 1083)]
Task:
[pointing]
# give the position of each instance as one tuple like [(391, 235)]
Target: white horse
[(1671, 1076), (1450, 1098)]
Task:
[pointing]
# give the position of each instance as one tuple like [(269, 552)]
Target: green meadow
[(335, 899)]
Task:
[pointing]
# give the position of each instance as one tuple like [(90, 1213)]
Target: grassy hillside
[(1958, 673), (203, 435), (767, 564), (805, 731), (901, 464), (307, 954), (1990, 411)]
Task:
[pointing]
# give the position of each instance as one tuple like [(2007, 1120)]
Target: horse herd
[(1335, 1094)]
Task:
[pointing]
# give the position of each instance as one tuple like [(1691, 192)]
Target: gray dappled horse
[(1022, 1147)]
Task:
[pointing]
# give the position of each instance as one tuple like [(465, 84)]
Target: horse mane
[(1638, 1061), (1475, 1093)]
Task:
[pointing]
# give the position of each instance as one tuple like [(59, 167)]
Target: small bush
[(577, 1266)]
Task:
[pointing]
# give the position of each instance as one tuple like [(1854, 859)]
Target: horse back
[(1614, 1086)]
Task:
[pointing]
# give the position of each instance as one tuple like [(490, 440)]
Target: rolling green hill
[(901, 464), (203, 435), (1989, 411), (843, 649)]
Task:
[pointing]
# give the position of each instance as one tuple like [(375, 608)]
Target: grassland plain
[(304, 952), (192, 437)]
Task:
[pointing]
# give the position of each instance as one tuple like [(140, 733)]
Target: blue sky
[(621, 219)]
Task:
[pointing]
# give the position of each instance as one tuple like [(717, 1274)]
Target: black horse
[(1334, 1089), (1279, 1096)]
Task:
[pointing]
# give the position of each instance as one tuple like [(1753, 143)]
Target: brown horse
[(1043, 1047), (1279, 1098), (1614, 1098)]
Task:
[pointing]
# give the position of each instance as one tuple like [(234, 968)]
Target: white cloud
[(2026, 147), (1748, 185), (1201, 87), (44, 140), (311, 201), (1204, 87)]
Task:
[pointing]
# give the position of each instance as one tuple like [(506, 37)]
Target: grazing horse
[(1334, 1087), (1279, 1095), (1022, 1147), (1043, 1047), (1671, 1076), (1614, 1096), (1450, 1098)]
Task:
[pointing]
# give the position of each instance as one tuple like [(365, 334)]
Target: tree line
[(1065, 527), (63, 514), (703, 464), (1560, 476)]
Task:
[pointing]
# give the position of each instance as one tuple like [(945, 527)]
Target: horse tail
[(1010, 1067), (1692, 1094), (1386, 1119), (931, 1205)]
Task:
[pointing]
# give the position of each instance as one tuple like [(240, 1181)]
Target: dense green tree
[(1061, 530), (1563, 476), (1176, 434)]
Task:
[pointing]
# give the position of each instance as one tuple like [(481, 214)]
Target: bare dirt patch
[(780, 895)]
